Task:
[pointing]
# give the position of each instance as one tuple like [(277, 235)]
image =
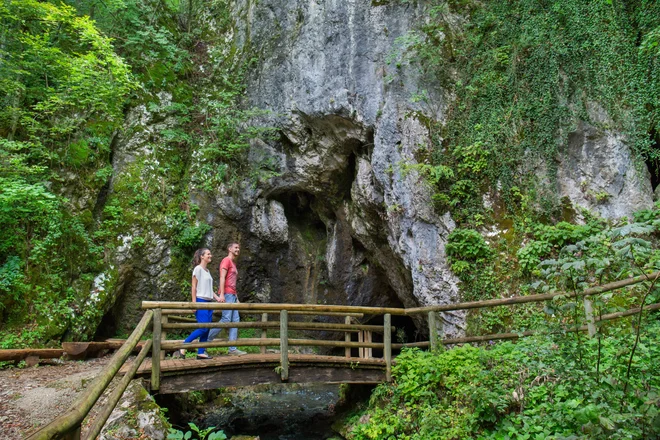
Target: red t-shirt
[(232, 274)]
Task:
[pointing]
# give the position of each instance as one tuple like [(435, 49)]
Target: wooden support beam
[(360, 345), (85, 350), (250, 376), (22, 354), (368, 350), (73, 434), (107, 409), (163, 333), (321, 326), (315, 309), (421, 344), (264, 332), (433, 331), (268, 342), (347, 337), (155, 351), (172, 311), (387, 342), (284, 345)]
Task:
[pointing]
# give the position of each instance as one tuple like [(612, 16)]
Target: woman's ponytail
[(197, 258)]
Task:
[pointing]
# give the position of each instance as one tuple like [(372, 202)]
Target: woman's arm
[(194, 288)]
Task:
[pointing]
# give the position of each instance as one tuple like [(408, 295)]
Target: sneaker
[(179, 354), (236, 352)]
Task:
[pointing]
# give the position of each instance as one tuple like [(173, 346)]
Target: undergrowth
[(545, 387)]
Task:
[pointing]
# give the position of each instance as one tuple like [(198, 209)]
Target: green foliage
[(66, 79), (467, 245), (540, 388), (60, 79), (520, 74), (201, 434), (549, 239), (186, 235)]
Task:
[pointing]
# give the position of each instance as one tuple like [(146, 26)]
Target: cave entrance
[(406, 331), (301, 208), (653, 162), (108, 327)]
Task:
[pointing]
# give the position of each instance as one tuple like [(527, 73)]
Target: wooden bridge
[(183, 375), (279, 364)]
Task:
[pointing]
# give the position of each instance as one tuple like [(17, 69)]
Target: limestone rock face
[(597, 172), (269, 222), (349, 133)]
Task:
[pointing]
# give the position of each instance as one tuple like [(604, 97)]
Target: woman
[(202, 291)]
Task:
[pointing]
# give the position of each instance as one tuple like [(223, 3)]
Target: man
[(227, 294)]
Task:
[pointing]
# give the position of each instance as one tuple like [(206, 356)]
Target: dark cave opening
[(406, 331), (653, 163), (107, 327), (301, 208)]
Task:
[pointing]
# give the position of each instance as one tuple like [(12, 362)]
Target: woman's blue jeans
[(201, 333)]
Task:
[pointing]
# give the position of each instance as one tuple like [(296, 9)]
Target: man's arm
[(221, 287)]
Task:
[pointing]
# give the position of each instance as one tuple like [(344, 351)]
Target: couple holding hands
[(202, 291)]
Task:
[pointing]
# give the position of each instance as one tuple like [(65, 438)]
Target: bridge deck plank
[(232, 362)]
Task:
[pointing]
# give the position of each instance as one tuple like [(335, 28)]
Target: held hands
[(220, 297)]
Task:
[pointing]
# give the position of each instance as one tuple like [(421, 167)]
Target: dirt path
[(31, 397)]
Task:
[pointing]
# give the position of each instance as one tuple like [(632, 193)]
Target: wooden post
[(387, 350), (284, 345), (155, 351), (433, 332), (360, 340), (163, 333), (347, 337), (589, 314), (367, 350), (264, 332)]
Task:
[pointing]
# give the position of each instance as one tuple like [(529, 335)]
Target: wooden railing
[(165, 316), (364, 344), (68, 425)]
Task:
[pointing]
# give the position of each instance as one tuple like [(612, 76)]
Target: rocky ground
[(31, 397)]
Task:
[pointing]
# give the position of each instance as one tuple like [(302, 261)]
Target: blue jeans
[(227, 316), (201, 333)]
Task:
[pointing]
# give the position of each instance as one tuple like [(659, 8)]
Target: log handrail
[(252, 311), (321, 308), (269, 342), (315, 309), (72, 419), (532, 298), (275, 324)]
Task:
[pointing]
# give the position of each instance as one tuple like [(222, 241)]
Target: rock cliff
[(345, 219)]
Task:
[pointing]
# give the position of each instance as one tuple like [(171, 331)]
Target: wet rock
[(136, 415)]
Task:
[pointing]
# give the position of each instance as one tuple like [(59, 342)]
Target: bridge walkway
[(183, 375)]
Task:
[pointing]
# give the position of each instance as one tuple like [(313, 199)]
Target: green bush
[(467, 245), (538, 388)]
